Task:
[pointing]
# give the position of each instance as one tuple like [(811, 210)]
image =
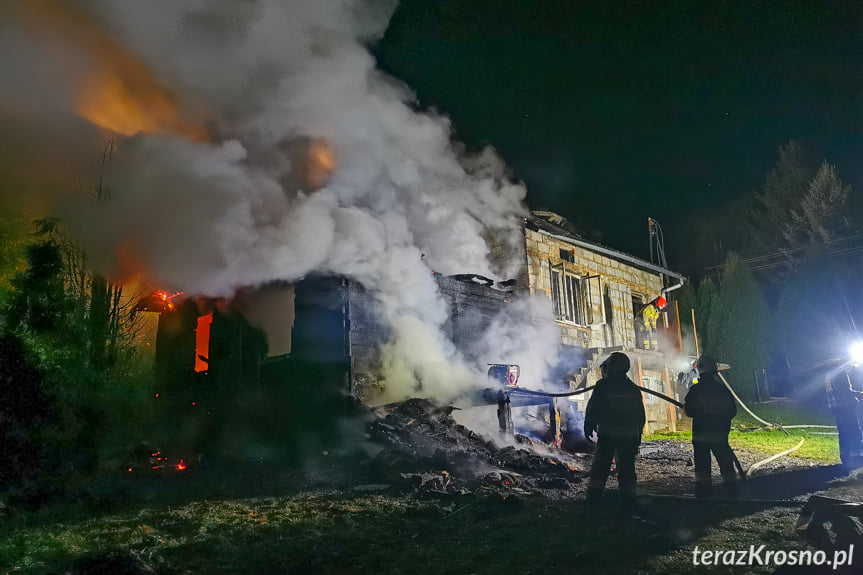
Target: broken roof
[(556, 226)]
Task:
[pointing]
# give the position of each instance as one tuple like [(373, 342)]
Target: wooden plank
[(672, 413)]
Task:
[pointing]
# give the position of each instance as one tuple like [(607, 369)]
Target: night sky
[(612, 112)]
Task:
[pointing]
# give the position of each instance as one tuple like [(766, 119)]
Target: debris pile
[(425, 449), (831, 524)]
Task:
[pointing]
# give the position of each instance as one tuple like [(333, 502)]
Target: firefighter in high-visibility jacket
[(650, 314)]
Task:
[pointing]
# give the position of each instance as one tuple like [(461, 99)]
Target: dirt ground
[(425, 446), (765, 511), (430, 496)]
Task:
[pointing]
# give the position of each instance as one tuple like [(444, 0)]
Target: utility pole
[(695, 333), (650, 237)]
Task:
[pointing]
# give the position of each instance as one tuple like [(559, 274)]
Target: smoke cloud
[(212, 215), (524, 333)]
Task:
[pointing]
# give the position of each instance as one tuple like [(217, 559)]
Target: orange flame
[(321, 164), (118, 101), (120, 92), (202, 343)]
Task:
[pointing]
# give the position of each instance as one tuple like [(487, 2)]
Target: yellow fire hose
[(777, 456)]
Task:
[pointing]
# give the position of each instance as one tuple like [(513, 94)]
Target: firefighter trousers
[(650, 341), (609, 449), (724, 457), (850, 440)]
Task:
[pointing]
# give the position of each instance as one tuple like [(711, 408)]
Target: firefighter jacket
[(650, 315), (839, 392), (711, 406), (616, 409)]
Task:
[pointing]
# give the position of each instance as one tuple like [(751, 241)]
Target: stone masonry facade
[(612, 321), (605, 289), (608, 290)]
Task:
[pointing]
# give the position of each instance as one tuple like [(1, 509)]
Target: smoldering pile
[(425, 449)]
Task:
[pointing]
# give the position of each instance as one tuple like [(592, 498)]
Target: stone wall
[(618, 282), (612, 323)]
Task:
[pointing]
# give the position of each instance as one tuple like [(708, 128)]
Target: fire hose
[(777, 456), (743, 472), (737, 464), (767, 423), (588, 388), (546, 394)]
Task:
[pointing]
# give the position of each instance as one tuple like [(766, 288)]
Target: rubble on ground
[(425, 448), (831, 524)]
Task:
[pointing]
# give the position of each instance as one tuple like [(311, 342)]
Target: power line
[(791, 250), (796, 261), (786, 252)]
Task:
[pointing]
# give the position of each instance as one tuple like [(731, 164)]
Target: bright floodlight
[(856, 352)]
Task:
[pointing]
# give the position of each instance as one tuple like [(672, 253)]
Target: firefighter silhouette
[(842, 400), (616, 414), (711, 407)]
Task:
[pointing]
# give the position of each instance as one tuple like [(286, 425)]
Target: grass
[(353, 531), (219, 525), (785, 413), (326, 532), (748, 433)]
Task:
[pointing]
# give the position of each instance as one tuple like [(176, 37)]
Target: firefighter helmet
[(616, 363), (706, 364)]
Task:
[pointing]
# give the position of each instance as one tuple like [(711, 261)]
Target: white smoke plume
[(209, 217), (524, 333)]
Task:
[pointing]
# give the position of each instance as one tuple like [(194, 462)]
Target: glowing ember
[(181, 466), (167, 298), (158, 302)]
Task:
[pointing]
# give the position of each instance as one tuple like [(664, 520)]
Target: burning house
[(330, 336), (328, 188), (599, 296)]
